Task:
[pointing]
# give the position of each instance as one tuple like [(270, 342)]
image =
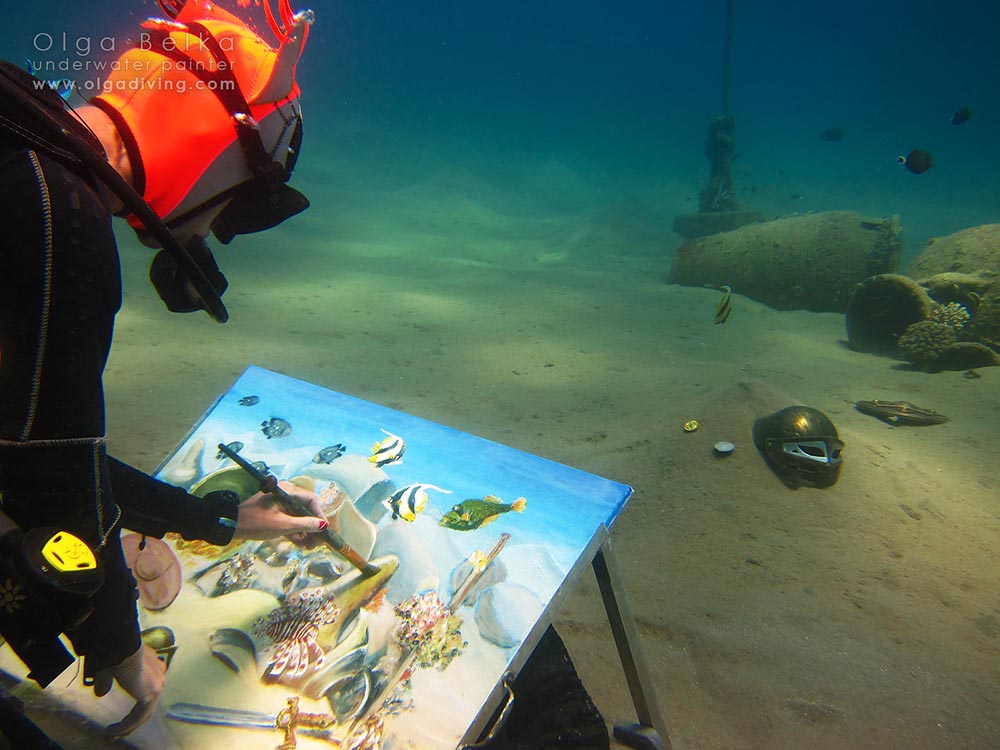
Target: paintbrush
[(269, 484)]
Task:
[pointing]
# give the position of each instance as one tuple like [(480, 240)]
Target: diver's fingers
[(307, 498), (305, 524), (102, 683), (139, 715)]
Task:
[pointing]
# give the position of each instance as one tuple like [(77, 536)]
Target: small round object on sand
[(691, 425), (724, 448)]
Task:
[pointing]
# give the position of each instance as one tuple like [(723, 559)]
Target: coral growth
[(430, 630), (952, 314), (924, 341)]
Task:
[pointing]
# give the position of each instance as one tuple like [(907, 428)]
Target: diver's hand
[(262, 517), (141, 675)]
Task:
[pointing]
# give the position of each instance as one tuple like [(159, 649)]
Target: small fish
[(407, 502), (833, 134), (329, 454), (236, 446), (961, 116), (249, 401), (472, 514), (65, 87), (917, 161), (388, 451), (725, 306), (275, 427)]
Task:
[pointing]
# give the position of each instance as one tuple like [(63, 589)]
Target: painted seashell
[(724, 447), (156, 570)]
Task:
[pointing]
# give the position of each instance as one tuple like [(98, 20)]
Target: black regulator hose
[(67, 144)]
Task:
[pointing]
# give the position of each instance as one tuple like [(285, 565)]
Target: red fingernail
[(323, 524)]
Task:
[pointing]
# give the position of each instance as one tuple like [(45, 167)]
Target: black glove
[(172, 286)]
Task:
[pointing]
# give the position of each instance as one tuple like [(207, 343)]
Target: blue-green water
[(493, 187), (628, 93)]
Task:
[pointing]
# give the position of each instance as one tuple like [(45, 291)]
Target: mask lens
[(814, 450)]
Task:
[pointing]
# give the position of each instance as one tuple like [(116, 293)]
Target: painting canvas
[(467, 544)]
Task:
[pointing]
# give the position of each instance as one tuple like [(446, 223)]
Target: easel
[(649, 732)]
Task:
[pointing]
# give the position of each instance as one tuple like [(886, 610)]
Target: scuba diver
[(196, 131)]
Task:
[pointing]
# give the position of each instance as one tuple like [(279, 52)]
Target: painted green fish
[(472, 514)]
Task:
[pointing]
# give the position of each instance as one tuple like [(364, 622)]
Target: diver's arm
[(152, 507)]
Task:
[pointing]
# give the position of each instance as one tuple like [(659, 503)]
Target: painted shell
[(724, 447)]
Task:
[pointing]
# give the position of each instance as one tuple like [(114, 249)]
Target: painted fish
[(472, 514), (725, 306), (249, 400), (275, 427), (388, 451), (329, 454), (236, 446), (407, 502)]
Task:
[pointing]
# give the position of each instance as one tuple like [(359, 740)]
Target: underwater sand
[(529, 306)]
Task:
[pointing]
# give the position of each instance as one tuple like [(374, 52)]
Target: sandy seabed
[(535, 312)]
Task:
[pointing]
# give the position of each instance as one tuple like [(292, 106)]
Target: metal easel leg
[(650, 732)]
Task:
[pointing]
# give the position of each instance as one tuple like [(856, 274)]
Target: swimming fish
[(405, 503), (275, 427), (249, 400), (917, 161), (961, 116), (472, 514), (65, 87), (832, 134), (236, 446), (388, 451), (725, 306), (329, 454)]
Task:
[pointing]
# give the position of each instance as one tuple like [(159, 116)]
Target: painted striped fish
[(407, 502), (388, 451)]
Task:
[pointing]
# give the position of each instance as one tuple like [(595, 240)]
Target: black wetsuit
[(60, 289)]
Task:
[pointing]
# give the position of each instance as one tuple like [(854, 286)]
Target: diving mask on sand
[(802, 446)]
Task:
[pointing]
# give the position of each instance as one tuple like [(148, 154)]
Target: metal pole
[(727, 58), (651, 731)]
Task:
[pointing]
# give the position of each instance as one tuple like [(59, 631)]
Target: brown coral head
[(923, 342)]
